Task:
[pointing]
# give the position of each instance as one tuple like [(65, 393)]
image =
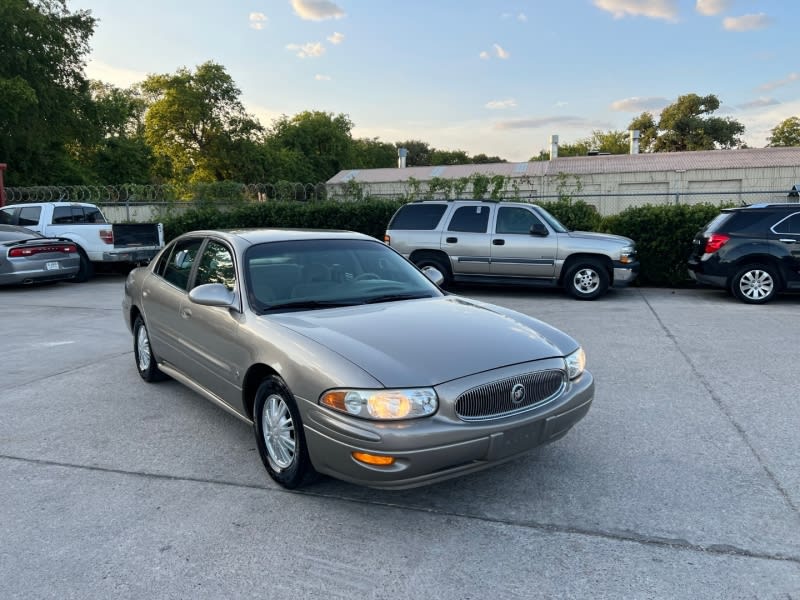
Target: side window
[(513, 219), (790, 225), (78, 215), (216, 266), (29, 215), (181, 260), (473, 219), (62, 215), (7, 216), (418, 217), (93, 215)]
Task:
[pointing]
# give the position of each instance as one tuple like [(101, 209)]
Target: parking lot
[(682, 482)]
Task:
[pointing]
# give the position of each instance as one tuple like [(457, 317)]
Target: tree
[(686, 124), (44, 95), (785, 133), (371, 153), (482, 159), (419, 153), (196, 124), (449, 157), (320, 139)]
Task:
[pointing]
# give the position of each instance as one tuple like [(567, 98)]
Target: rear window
[(418, 216)]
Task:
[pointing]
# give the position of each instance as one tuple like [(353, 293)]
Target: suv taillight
[(715, 242), (107, 235), (33, 250)]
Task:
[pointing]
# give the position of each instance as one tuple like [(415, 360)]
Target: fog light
[(374, 459)]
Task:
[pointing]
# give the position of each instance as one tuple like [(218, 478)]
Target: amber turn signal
[(374, 459)]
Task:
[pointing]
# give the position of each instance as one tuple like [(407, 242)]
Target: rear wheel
[(586, 280), (438, 263), (279, 434), (86, 269), (755, 284), (145, 361)]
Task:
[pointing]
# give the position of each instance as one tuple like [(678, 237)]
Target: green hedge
[(663, 234)]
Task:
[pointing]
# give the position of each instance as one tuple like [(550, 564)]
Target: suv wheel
[(755, 284), (586, 280)]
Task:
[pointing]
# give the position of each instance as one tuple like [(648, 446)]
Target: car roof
[(765, 206), (268, 234)]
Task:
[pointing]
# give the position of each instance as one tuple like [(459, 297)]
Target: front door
[(518, 253)]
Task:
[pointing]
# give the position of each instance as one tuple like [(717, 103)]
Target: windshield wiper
[(393, 297), (300, 304)]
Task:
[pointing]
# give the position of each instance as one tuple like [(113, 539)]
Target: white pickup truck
[(98, 241)]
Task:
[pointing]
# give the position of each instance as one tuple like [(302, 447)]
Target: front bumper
[(437, 448), (624, 274)]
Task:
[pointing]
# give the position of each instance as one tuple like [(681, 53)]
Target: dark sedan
[(28, 257)]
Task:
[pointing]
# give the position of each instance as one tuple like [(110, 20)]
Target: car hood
[(422, 342), (608, 237)]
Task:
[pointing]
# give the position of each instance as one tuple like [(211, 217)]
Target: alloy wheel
[(278, 430)]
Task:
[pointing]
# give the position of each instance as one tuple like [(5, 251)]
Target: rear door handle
[(498, 242), (451, 240)]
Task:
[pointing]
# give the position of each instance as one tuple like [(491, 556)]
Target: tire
[(755, 284), (279, 434), (586, 280), (143, 354), (86, 269), (437, 263)]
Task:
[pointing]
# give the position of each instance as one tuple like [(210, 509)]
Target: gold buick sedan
[(349, 361)]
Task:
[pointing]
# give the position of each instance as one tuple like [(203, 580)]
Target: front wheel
[(279, 434), (586, 280), (145, 361), (755, 284)]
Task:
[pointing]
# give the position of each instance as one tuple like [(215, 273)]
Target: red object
[(2, 187), (107, 235), (31, 250), (715, 242)]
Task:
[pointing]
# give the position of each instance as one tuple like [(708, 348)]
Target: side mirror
[(434, 274), (212, 294), (538, 229)]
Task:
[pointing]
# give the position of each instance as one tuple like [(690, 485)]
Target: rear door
[(786, 235), (515, 251), (466, 239)]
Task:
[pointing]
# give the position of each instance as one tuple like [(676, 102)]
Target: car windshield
[(312, 274), (557, 226)]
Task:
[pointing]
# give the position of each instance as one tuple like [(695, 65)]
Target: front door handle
[(451, 240), (788, 241), (498, 242), (186, 313)]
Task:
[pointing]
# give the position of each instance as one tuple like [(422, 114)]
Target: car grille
[(497, 399)]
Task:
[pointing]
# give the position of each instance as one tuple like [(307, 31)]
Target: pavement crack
[(717, 399), (24, 384), (610, 535)]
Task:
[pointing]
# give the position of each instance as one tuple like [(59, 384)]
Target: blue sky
[(491, 76)]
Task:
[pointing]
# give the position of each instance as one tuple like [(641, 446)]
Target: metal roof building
[(611, 182)]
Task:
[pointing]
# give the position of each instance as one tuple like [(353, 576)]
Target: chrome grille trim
[(493, 400)]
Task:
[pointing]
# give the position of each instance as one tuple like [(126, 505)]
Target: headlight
[(381, 405), (576, 363), (627, 255)]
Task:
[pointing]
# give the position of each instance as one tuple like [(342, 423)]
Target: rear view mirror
[(434, 274)]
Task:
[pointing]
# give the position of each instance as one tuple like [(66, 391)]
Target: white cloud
[(119, 77), (759, 103), (316, 10), (712, 7), (761, 120), (500, 52), (501, 104), (561, 104), (257, 20), (638, 104), (771, 85), (484, 55), (654, 9), (746, 22), (322, 77), (309, 50), (522, 17), (336, 38)]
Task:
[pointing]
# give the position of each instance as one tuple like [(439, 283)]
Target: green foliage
[(663, 236), (44, 96), (685, 125), (575, 215), (786, 133), (369, 217)]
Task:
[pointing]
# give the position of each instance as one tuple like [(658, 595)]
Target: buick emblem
[(518, 393)]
